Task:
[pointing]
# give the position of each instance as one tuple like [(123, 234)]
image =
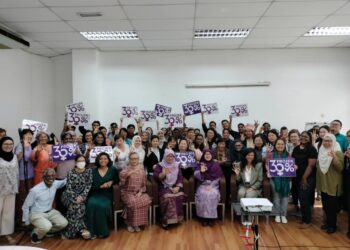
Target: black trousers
[(331, 207)]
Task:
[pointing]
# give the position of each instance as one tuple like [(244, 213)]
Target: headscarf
[(324, 159), (213, 168), (7, 156), (139, 150), (170, 178)]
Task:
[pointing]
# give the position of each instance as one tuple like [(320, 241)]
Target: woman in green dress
[(99, 204)]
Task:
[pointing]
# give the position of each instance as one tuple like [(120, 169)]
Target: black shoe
[(331, 230), (165, 226), (324, 227), (35, 239)]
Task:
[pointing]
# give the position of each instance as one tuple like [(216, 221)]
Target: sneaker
[(130, 229), (284, 219), (35, 239), (137, 229), (278, 219)]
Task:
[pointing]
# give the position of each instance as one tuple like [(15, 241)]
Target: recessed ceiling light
[(225, 33), (329, 31), (110, 35), (89, 14)]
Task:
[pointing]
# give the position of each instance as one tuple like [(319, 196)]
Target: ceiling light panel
[(225, 33), (110, 35), (329, 31)]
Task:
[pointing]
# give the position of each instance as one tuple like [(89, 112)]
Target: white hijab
[(324, 159), (139, 150)]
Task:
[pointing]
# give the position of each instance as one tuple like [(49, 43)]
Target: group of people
[(75, 197)]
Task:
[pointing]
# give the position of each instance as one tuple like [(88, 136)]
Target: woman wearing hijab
[(9, 178), (133, 194), (167, 173), (207, 195), (136, 146), (329, 182)]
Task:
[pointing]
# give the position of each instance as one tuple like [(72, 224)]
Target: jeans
[(305, 196), (278, 200)]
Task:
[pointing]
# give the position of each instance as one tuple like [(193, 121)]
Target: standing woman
[(99, 203), (8, 188), (305, 155), (329, 179), (23, 152), (322, 132), (41, 156), (168, 174), (154, 154), (249, 175), (211, 139), (120, 152), (280, 186), (207, 196), (87, 142), (259, 147), (133, 194), (79, 181), (136, 146)]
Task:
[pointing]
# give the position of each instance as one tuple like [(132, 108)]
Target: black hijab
[(7, 156)]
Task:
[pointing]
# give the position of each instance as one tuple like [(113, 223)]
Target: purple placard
[(282, 167), (173, 120), (63, 152), (148, 116), (186, 159), (239, 110), (192, 108), (129, 112), (162, 110), (210, 108)]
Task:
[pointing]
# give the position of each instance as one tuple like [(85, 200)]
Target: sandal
[(85, 234)]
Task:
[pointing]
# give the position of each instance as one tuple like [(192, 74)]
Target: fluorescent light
[(227, 85), (225, 33), (110, 35), (329, 31)]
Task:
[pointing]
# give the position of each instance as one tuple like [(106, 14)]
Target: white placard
[(148, 116), (97, 150), (239, 110), (78, 119), (34, 126), (129, 111), (77, 107), (210, 108), (173, 120)]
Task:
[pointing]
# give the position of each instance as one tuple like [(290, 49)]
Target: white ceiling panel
[(304, 8), (160, 11), (108, 13), (217, 43), (55, 36), (36, 45), (165, 35), (269, 40), (225, 23), (118, 44), (40, 27), (263, 46), (232, 1), (277, 32), (173, 24), (336, 21), (231, 10), (101, 25), (20, 3), (287, 22), (69, 44), (66, 3), (167, 43), (43, 52), (318, 41), (345, 43), (27, 15), (154, 2), (345, 10)]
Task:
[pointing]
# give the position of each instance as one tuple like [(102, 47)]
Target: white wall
[(30, 89), (306, 84)]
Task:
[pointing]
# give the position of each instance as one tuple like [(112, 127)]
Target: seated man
[(37, 208)]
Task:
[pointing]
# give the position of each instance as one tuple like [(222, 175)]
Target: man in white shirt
[(37, 208)]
